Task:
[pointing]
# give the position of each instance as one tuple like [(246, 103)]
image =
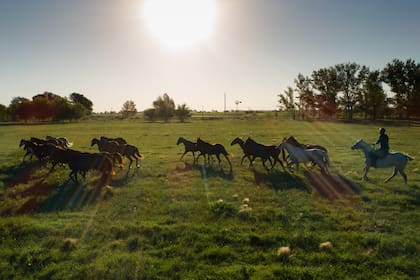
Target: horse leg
[(263, 162), (137, 162), (183, 155), (365, 172), (393, 175), (193, 157), (131, 161), (242, 159), (289, 164), (251, 160), (73, 176), (52, 167), (230, 164), (403, 175), (271, 163), (281, 163)]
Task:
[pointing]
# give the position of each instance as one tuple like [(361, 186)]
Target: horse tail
[(141, 156), (409, 158)]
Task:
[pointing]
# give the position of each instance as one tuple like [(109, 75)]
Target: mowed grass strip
[(172, 219)]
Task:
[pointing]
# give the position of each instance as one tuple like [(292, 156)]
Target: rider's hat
[(382, 130)]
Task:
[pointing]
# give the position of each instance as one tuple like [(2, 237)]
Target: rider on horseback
[(383, 149)]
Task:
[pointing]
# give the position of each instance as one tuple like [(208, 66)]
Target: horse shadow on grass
[(332, 187), (72, 197), (122, 178), (207, 171), (20, 174), (26, 192), (278, 180)]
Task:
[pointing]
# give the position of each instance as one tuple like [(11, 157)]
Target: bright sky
[(108, 51)]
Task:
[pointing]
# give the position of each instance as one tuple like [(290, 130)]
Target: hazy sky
[(104, 49)]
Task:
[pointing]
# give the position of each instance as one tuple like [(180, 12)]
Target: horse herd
[(56, 150), (297, 152)]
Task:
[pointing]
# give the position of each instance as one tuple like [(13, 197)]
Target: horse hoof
[(138, 166)]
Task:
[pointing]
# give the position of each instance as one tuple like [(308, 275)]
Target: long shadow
[(20, 174), (332, 187), (210, 171), (207, 171), (278, 180), (70, 196), (121, 180)]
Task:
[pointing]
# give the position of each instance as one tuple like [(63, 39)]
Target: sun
[(180, 23)]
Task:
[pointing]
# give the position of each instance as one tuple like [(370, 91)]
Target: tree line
[(163, 109), (349, 88), (47, 107)]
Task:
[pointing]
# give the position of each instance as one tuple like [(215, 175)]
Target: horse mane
[(292, 140)]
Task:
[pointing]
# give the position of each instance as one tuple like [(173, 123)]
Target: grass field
[(170, 219)]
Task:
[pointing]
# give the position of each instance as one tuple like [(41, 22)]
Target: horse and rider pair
[(380, 158)]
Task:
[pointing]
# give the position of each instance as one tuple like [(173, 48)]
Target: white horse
[(299, 154), (397, 160)]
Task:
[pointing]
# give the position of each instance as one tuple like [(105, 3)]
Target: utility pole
[(224, 105)]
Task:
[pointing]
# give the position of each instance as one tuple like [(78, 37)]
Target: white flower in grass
[(326, 245), (284, 251)]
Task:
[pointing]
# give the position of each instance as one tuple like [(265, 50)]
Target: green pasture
[(170, 219)]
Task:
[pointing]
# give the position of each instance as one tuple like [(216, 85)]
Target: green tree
[(4, 114), (150, 114), (81, 99), (183, 112), (404, 80), (350, 78), (326, 82), (306, 100), (128, 109), (44, 108), (14, 107), (287, 101), (372, 100), (165, 107), (69, 111), (24, 110)]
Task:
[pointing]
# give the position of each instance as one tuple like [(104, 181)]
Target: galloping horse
[(189, 147), (397, 160), (245, 148), (292, 140), (209, 149), (299, 154), (265, 152)]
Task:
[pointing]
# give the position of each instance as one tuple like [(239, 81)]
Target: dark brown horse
[(208, 149), (91, 161), (189, 147)]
